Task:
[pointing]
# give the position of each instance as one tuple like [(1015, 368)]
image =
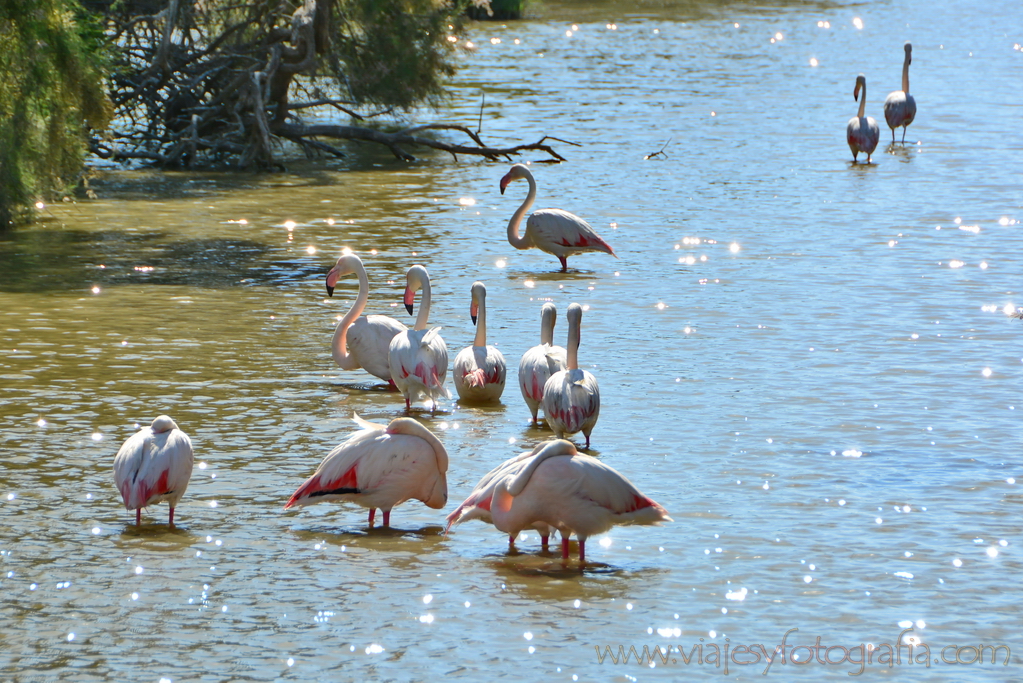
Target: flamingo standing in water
[(418, 358), (552, 230), (361, 342), (381, 467), (477, 505), (571, 398), (899, 106), (862, 132), (154, 465), (572, 492), (479, 370), (541, 361)]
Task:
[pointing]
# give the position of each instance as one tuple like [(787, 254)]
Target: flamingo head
[(163, 424), (409, 299), (517, 171), (909, 52), (414, 279), (479, 294), (861, 84), (344, 266)]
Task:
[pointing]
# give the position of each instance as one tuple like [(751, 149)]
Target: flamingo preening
[(571, 398), (552, 230), (541, 361), (571, 492), (479, 370), (862, 132), (154, 465), (899, 106), (418, 358), (381, 467), (361, 342)]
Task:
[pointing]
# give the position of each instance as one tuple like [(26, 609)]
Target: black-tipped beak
[(330, 291), (473, 319), (408, 307)]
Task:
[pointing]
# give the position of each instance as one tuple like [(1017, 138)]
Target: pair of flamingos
[(551, 487), (862, 132)]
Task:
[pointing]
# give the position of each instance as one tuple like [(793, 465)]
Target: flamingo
[(571, 398), (862, 132), (418, 358), (552, 230), (477, 505), (541, 361), (381, 467), (899, 106), (361, 342), (479, 370), (572, 492), (154, 465)]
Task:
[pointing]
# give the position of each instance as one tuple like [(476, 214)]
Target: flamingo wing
[(560, 232), (369, 340), (153, 467), (572, 399)]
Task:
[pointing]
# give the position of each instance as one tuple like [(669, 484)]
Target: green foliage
[(396, 52), (50, 85)]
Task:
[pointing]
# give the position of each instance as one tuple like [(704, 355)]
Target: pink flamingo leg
[(138, 516), (582, 550), (372, 514), (564, 547), (544, 540), (408, 405), (387, 518), (171, 519), (564, 263), (511, 542)]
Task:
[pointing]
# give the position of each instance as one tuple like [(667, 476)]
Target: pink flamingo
[(418, 358), (571, 398), (541, 361), (572, 492), (154, 465), (479, 370), (381, 467), (477, 505), (551, 230), (361, 342), (862, 132), (899, 106)]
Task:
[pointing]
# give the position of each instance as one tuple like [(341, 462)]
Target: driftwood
[(198, 84)]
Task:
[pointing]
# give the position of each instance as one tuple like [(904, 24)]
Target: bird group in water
[(551, 487), (862, 132)]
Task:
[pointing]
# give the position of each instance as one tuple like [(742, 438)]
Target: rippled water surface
[(810, 364)]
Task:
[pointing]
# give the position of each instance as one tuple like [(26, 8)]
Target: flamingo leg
[(903, 135), (582, 550), (587, 440), (138, 516), (372, 514), (387, 518), (408, 405), (171, 518), (511, 542), (564, 547), (564, 263), (545, 541)]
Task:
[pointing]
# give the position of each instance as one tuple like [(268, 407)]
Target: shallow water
[(809, 363)]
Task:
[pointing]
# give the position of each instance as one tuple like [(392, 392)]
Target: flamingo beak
[(331, 281), (474, 310), (504, 182), (408, 299)]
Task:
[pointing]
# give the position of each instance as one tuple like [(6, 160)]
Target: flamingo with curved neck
[(899, 106), (551, 230), (862, 132), (479, 370), (571, 397), (361, 342), (418, 358), (540, 362)]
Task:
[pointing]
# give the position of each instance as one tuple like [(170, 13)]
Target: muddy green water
[(810, 364)]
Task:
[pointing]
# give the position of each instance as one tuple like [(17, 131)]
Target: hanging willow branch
[(210, 83)]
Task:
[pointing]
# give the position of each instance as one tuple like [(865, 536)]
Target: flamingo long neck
[(573, 344), (339, 344), (547, 326), (516, 219), (863, 100), (905, 75), (424, 307), (481, 324)]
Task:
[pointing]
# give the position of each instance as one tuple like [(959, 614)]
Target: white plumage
[(381, 467), (361, 342), (862, 132), (541, 361), (571, 397), (899, 106), (479, 370), (571, 492), (418, 358), (154, 465), (551, 230)]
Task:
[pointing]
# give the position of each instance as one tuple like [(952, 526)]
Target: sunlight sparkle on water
[(426, 619), (96, 436), (290, 225), (986, 372), (500, 263), (605, 542), (95, 290), (858, 23), (813, 61), (374, 649), (992, 552), (41, 422), (467, 201), (529, 283)]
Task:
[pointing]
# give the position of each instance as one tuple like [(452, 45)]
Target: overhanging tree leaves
[(217, 81)]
